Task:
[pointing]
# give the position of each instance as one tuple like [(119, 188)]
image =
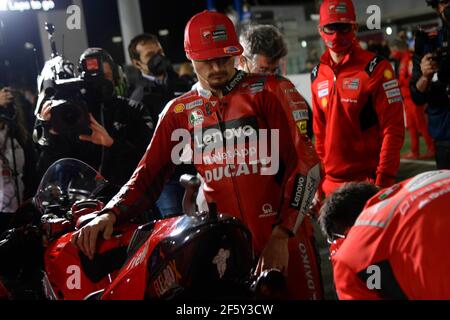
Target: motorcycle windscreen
[(67, 181)]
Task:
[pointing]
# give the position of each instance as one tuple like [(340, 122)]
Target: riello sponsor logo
[(237, 145)]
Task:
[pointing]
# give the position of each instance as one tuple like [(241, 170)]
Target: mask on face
[(158, 65), (338, 42)]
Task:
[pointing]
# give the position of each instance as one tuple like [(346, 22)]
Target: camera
[(70, 93), (436, 42)]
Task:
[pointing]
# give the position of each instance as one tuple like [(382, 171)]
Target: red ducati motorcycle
[(195, 255)]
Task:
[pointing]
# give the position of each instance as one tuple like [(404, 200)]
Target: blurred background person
[(187, 74), (416, 121), (17, 156), (158, 85), (430, 82), (264, 52)]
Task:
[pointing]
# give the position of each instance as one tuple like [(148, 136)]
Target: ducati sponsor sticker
[(351, 84), (298, 191), (388, 74), (390, 85), (324, 102), (179, 108), (196, 117), (393, 93), (193, 104), (167, 279), (220, 34), (322, 85), (397, 99), (322, 93), (231, 50), (372, 65), (300, 115), (302, 126)]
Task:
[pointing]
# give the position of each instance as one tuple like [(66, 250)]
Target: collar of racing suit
[(228, 87), (327, 60)]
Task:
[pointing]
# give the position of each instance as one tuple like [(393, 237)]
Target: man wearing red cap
[(357, 105), (225, 105)]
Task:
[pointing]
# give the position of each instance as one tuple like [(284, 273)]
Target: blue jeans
[(171, 198)]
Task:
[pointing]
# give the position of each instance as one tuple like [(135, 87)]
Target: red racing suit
[(242, 189), (358, 119), (415, 115), (400, 240)]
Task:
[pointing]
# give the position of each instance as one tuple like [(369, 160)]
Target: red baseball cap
[(209, 35), (337, 11)]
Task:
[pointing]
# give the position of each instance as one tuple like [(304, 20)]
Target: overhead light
[(388, 31), (28, 45), (304, 44), (314, 17), (163, 32), (117, 39)]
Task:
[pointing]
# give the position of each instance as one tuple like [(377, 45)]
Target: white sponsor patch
[(300, 115), (390, 85), (397, 99), (323, 92), (393, 93), (348, 100), (193, 104), (322, 85)]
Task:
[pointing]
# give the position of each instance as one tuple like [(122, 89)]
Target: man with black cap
[(272, 200), (357, 105)]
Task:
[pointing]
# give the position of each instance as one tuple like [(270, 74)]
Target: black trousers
[(443, 154)]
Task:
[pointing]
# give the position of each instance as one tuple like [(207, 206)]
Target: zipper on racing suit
[(235, 187)]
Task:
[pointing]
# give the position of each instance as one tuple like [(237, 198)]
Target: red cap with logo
[(337, 11), (209, 35)]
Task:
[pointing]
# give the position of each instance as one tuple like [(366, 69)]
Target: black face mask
[(158, 65)]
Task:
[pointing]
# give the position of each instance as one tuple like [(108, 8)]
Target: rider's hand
[(99, 134), (429, 66), (6, 97), (275, 254), (85, 239)]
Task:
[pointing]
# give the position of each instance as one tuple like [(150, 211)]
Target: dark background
[(18, 66)]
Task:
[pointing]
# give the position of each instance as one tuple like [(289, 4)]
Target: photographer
[(430, 82), (120, 129), (17, 156)]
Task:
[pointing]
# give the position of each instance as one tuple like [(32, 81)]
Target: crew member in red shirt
[(415, 115), (393, 243), (357, 105)]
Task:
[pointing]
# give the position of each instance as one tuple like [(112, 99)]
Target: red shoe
[(410, 155), (429, 155)]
